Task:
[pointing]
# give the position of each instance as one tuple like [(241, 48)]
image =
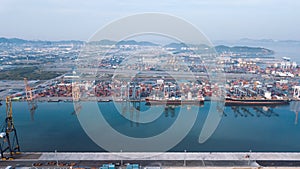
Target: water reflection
[(241, 137), (77, 108), (169, 110), (295, 107), (133, 109), (32, 106), (260, 111)]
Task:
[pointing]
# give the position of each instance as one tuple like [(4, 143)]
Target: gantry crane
[(28, 90), (8, 135), (76, 98), (30, 100), (75, 92)]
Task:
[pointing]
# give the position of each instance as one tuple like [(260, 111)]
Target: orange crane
[(8, 135)]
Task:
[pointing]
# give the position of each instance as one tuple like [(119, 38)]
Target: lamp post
[(56, 157), (249, 159), (121, 158), (184, 161)]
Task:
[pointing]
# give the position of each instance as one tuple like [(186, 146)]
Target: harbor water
[(55, 126)]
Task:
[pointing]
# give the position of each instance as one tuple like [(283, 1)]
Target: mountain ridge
[(178, 46)]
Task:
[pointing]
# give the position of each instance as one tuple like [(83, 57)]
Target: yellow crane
[(8, 135), (30, 99)]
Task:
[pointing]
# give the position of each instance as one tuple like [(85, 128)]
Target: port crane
[(30, 99), (76, 92), (76, 98), (28, 90), (8, 135)]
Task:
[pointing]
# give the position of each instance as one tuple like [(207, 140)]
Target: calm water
[(54, 127)]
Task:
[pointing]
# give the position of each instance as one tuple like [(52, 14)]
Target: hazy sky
[(218, 19)]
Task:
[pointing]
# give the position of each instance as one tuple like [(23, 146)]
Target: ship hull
[(254, 102), (173, 102)]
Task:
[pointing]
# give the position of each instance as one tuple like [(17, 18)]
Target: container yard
[(158, 89), (251, 89)]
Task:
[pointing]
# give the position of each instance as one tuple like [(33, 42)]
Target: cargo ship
[(255, 102), (174, 101)]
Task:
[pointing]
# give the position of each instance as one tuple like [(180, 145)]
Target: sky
[(217, 19)]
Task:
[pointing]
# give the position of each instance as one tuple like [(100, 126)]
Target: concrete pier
[(167, 156), (180, 160)]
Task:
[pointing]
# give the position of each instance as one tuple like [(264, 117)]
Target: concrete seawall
[(168, 156), (180, 160)]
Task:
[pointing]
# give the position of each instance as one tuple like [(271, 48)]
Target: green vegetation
[(31, 73)]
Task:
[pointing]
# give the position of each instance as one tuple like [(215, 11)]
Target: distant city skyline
[(218, 20)]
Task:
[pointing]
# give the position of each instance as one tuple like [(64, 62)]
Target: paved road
[(205, 159), (172, 156)]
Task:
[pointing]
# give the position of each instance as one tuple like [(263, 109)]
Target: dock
[(230, 156), (176, 159)]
